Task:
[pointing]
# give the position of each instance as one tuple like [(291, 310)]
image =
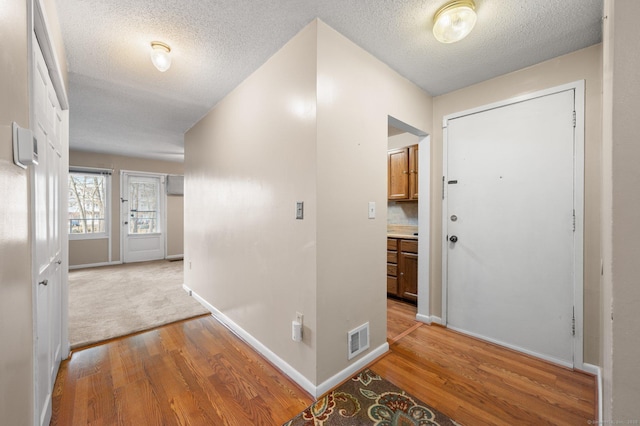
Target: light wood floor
[(196, 372), (478, 383)]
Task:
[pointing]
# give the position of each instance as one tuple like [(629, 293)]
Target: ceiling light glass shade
[(160, 55), (454, 21)]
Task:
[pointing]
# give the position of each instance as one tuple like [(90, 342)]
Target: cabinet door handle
[(404, 172)]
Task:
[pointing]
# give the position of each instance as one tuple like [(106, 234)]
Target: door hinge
[(574, 119), (573, 321), (443, 187), (574, 221)]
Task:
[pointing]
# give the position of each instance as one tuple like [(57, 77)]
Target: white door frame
[(163, 202), (578, 200)]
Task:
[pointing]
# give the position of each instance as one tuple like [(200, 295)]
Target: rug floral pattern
[(368, 399)]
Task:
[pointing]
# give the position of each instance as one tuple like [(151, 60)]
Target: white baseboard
[(423, 318), (545, 357), (175, 256), (351, 370), (591, 369), (596, 371), (428, 319), (281, 364), (95, 265)]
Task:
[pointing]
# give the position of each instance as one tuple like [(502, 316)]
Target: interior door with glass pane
[(143, 201)]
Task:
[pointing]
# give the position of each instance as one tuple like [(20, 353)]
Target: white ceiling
[(119, 103)]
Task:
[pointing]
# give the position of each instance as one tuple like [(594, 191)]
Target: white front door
[(49, 127), (509, 220), (143, 219)]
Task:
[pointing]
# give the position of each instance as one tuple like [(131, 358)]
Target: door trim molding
[(578, 201), (42, 32)]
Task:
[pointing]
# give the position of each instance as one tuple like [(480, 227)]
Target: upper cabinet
[(403, 173)]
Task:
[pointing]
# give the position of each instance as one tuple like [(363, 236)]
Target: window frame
[(106, 174)]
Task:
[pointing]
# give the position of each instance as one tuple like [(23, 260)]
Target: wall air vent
[(358, 340)]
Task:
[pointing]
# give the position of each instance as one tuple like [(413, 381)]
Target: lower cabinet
[(402, 268)]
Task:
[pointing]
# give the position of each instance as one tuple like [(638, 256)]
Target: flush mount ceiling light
[(160, 55), (454, 21)]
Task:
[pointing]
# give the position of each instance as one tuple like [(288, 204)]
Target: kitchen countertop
[(402, 231)]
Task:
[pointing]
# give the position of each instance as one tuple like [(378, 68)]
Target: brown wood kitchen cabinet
[(403, 173), (402, 268)]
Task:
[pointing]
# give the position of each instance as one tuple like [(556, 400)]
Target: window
[(144, 200), (88, 204)]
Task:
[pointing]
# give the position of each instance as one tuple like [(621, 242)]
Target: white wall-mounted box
[(25, 147)]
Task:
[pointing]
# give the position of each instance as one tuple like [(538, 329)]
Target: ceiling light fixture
[(454, 21), (160, 55)]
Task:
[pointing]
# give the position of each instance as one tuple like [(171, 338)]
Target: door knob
[(44, 282), (453, 238)]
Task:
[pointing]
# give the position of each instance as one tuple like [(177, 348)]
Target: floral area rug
[(368, 399)]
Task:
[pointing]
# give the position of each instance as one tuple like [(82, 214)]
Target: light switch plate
[(372, 209), (300, 210)]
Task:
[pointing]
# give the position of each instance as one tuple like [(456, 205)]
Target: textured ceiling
[(121, 104)]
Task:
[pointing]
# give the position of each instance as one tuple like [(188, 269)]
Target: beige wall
[(621, 209), (585, 65), (175, 225), (356, 94), (247, 162), (310, 125), (87, 252), (16, 359)]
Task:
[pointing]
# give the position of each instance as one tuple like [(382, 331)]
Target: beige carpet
[(113, 301)]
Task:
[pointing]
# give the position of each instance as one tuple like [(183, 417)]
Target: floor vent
[(358, 340)]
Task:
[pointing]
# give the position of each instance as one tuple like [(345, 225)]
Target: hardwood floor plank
[(136, 404), (194, 372), (165, 386), (198, 396), (197, 372), (476, 382), (81, 403), (400, 317), (189, 411)]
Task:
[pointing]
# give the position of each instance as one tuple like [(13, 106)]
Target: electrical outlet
[(297, 328)]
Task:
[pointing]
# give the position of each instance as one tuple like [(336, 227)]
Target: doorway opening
[(408, 168)]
